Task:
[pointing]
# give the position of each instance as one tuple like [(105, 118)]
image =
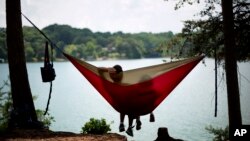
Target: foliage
[(207, 33), (45, 119), (3, 47), (178, 46), (96, 126), (219, 133), (6, 107), (85, 44)]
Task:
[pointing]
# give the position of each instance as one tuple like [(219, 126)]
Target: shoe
[(121, 127), (152, 118), (138, 124), (130, 131)]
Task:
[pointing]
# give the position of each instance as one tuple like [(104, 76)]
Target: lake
[(185, 112)]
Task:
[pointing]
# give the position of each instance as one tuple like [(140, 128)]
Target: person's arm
[(104, 69)]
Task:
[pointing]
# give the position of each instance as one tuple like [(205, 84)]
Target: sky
[(128, 16)]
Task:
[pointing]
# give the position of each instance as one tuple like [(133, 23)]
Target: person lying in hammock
[(116, 74)]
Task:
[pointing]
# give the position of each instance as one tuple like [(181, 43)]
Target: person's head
[(118, 68), (117, 77)]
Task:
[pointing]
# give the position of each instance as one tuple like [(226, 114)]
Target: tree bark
[(20, 89), (233, 96)]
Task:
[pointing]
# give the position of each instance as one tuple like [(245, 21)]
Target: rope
[(51, 48), (216, 91), (50, 90), (47, 107)]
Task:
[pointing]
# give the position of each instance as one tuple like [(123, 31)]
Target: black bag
[(48, 72)]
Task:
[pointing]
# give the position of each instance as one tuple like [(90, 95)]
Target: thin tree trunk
[(20, 88), (234, 110)]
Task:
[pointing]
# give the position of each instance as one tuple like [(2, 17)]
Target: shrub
[(6, 107), (96, 126), (219, 133), (45, 119)]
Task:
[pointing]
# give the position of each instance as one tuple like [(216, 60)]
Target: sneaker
[(130, 131), (152, 118), (138, 124), (121, 127)]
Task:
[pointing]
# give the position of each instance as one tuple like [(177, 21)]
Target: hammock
[(141, 90)]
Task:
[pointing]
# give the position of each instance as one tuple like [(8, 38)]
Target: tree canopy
[(207, 33)]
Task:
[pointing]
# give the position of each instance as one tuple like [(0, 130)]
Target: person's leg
[(122, 116), (130, 122), (152, 117), (138, 123), (122, 127)]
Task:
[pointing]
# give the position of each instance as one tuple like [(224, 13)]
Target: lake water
[(185, 112)]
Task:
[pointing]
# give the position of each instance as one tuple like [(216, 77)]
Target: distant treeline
[(88, 45)]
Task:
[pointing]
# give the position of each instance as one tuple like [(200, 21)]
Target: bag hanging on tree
[(48, 72)]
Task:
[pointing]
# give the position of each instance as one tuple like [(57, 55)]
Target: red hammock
[(141, 90)]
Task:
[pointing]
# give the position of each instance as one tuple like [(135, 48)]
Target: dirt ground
[(46, 135)]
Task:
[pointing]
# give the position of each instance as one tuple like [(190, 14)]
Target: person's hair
[(118, 68)]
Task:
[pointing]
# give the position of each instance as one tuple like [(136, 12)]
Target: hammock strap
[(42, 33)]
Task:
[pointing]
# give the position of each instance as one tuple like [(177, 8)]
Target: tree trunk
[(233, 96), (24, 110)]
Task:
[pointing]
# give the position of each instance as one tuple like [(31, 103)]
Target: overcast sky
[(107, 15)]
